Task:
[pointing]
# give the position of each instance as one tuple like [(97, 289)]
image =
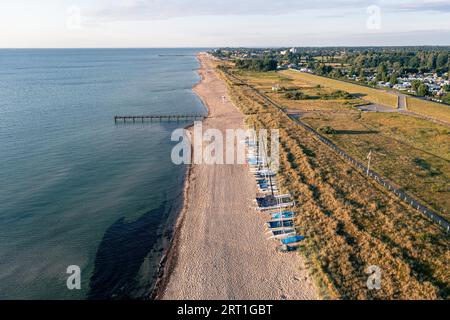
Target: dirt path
[(222, 250)]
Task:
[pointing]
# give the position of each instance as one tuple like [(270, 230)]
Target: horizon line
[(224, 47)]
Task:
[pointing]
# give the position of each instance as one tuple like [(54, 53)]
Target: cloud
[(406, 38), (165, 9), (426, 5)]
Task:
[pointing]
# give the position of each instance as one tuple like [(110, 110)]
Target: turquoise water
[(76, 189)]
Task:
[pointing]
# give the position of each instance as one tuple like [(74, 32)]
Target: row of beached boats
[(281, 225)]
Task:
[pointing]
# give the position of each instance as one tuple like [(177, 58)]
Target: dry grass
[(404, 150), (429, 109), (350, 223), (369, 94), (411, 152), (265, 81), (310, 105)]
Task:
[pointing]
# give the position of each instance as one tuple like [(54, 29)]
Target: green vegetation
[(335, 95), (446, 98), (395, 139), (366, 65), (369, 94), (422, 90), (401, 60), (296, 95), (349, 222), (338, 94), (266, 64), (327, 130)]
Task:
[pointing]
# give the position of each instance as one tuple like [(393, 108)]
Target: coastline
[(218, 249), (169, 258)]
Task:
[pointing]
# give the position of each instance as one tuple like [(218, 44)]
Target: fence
[(409, 200)]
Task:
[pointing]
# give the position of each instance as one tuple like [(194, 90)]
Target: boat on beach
[(291, 240), (283, 233), (281, 226), (282, 215)]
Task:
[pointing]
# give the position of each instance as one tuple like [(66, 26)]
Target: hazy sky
[(213, 23)]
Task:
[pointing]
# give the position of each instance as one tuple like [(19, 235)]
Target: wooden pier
[(158, 118)]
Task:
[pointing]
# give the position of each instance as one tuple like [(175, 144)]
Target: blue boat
[(280, 224), (254, 162), (293, 239), (283, 215)]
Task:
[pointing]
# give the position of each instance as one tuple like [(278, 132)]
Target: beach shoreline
[(206, 258), (168, 260)]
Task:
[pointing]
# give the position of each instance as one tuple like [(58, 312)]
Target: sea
[(87, 205)]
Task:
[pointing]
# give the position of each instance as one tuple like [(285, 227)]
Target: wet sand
[(220, 249)]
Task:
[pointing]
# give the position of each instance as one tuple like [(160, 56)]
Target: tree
[(414, 62), (324, 70), (441, 60), (362, 74), (336, 73), (422, 91), (269, 64), (415, 85), (381, 72), (431, 63), (446, 98), (393, 80)]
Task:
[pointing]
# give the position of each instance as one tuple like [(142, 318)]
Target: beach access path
[(221, 249)]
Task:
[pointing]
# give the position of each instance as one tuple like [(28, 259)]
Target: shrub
[(446, 98), (340, 94), (327, 130), (295, 95)]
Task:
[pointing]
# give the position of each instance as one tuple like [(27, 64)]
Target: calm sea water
[(76, 189)]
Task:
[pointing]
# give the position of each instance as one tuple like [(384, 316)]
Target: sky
[(220, 23)]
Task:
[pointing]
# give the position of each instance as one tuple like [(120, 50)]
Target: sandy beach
[(220, 250)]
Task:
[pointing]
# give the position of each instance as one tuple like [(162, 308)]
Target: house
[(433, 87), (384, 84), (306, 70)]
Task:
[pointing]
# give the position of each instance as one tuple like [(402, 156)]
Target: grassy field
[(366, 93), (265, 82), (349, 222), (429, 109), (411, 152)]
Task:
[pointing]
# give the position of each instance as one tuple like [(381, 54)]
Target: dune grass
[(349, 222), (429, 109), (413, 153)]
